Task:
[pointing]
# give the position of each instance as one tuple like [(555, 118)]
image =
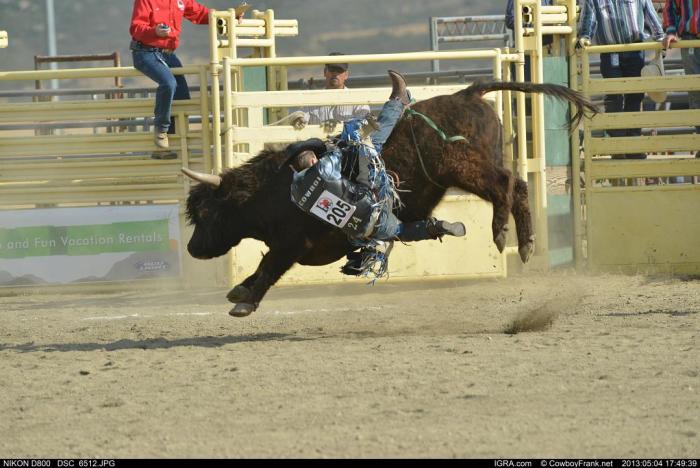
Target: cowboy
[(362, 208), (155, 34)]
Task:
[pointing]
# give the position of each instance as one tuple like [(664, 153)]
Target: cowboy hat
[(653, 69)]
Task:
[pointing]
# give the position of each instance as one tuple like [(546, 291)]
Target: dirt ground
[(605, 366)]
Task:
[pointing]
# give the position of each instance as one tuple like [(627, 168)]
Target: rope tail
[(583, 105)]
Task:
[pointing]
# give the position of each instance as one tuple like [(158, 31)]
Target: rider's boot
[(431, 228), (398, 88), (370, 259)]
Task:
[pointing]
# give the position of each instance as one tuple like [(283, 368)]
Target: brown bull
[(253, 201)]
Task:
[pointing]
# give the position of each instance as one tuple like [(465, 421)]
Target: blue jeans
[(388, 225), (156, 65), (691, 65), (387, 119), (618, 65)]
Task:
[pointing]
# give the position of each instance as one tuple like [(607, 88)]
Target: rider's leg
[(399, 99), (391, 112), (389, 228), (431, 228)]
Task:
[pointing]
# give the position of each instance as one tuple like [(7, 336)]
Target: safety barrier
[(639, 214), (227, 124), (87, 166), (468, 30)]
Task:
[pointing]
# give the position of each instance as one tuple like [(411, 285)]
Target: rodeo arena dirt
[(541, 365), (151, 305)]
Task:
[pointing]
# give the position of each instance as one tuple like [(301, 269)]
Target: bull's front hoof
[(526, 250), (243, 309), (238, 294), (500, 239)]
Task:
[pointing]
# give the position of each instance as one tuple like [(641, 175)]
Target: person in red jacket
[(155, 33)]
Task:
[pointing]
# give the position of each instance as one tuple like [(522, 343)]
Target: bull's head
[(212, 214)]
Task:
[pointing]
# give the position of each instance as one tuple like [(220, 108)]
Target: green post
[(560, 221)]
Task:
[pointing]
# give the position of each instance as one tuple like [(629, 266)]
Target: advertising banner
[(77, 245)]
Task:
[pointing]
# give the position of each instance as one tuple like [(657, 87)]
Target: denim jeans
[(691, 65), (618, 65), (388, 225), (156, 65), (387, 119)]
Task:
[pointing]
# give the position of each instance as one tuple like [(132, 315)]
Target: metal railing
[(467, 29)]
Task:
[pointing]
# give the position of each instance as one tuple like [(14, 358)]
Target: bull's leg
[(523, 221), (479, 176), (272, 266), (241, 292)]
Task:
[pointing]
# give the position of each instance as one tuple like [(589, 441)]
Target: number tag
[(332, 209)]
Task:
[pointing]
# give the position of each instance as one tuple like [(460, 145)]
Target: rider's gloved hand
[(330, 125)]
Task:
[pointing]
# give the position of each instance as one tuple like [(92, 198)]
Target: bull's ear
[(209, 179)]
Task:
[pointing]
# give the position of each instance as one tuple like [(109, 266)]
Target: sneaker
[(161, 139), (164, 155)]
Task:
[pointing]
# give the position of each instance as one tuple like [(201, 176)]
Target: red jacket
[(148, 14)]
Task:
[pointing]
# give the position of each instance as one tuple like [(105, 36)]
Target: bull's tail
[(583, 105)]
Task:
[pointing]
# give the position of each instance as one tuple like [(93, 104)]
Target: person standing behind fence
[(155, 32), (620, 22), (335, 75), (682, 21)]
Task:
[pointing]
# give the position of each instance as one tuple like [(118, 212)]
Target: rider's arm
[(196, 13)]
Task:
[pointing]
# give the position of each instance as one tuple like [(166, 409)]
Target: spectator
[(155, 33), (682, 21), (335, 75), (620, 22)]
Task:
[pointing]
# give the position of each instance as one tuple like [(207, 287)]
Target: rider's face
[(305, 159), (335, 77)]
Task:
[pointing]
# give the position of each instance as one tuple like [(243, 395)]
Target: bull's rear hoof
[(242, 310), (500, 239), (526, 250), (238, 294)]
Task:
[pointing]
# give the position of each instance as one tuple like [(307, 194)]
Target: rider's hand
[(162, 30), (668, 39), (298, 123), (329, 125)]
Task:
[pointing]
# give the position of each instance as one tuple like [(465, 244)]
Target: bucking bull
[(253, 200)]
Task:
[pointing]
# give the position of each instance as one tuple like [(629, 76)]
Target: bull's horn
[(210, 179)]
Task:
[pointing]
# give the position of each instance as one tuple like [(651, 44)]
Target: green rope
[(432, 125)]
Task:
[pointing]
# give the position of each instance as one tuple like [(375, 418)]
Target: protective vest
[(337, 201)]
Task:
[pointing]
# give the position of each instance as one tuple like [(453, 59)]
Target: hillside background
[(348, 26)]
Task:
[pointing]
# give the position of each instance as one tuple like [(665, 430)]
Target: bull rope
[(440, 133)]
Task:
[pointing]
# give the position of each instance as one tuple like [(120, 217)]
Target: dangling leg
[(392, 111), (431, 228)]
